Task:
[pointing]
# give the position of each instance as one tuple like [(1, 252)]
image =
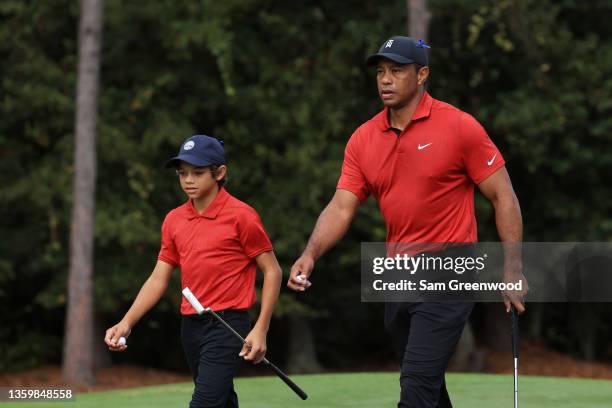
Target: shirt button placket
[(399, 145)]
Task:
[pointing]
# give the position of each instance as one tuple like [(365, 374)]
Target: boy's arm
[(149, 295), (255, 348)]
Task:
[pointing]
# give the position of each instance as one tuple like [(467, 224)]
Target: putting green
[(360, 390)]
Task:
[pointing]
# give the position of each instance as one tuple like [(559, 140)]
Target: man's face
[(398, 84), (198, 182)]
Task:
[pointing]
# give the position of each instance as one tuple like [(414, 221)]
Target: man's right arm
[(331, 226), (150, 293)]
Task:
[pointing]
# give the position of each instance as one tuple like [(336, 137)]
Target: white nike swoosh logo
[(490, 162), (421, 147)]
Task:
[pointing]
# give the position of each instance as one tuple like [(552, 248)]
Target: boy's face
[(198, 182)]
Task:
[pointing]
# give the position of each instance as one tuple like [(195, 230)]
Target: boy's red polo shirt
[(215, 251), (424, 178)]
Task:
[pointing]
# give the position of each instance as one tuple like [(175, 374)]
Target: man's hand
[(516, 298), (300, 272), (255, 347), (331, 226), (121, 329)]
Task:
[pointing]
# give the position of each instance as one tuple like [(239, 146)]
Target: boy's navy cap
[(403, 50), (200, 150)]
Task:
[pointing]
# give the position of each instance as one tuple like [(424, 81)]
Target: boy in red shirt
[(218, 242)]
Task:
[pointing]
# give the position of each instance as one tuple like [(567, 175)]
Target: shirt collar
[(423, 108), (422, 111), (213, 208)]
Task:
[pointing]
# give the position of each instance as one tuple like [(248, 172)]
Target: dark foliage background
[(284, 84)]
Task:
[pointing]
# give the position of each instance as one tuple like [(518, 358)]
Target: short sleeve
[(352, 177), (481, 157), (253, 236), (167, 252)]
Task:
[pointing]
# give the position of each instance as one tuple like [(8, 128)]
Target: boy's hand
[(255, 347), (111, 339)]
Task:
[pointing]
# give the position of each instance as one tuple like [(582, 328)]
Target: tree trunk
[(584, 320), (78, 340), (497, 328), (467, 357), (418, 19), (536, 320), (302, 355)]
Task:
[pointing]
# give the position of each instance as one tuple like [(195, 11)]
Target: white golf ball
[(121, 341), (300, 277)]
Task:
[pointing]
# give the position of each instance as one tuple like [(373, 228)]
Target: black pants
[(425, 336), (212, 355)]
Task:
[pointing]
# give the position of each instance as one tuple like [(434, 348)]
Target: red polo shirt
[(215, 251), (424, 178)]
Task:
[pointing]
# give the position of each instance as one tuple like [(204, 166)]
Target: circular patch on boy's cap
[(189, 145)]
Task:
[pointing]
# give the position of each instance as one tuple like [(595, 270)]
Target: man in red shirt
[(420, 158), (218, 242)]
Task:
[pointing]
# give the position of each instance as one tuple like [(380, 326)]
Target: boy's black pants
[(212, 355), (425, 336)]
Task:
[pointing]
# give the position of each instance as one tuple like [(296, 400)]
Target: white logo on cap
[(189, 145), (389, 44)]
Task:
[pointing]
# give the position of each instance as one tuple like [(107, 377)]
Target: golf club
[(201, 310), (515, 350)]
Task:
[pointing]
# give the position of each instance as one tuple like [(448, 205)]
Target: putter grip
[(515, 332), (193, 301), (286, 379)]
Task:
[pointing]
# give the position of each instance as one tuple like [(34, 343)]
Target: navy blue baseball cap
[(200, 151), (403, 50)]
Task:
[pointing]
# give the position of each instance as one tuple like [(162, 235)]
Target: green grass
[(361, 390)]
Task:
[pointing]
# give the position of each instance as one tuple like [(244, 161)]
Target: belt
[(222, 313)]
